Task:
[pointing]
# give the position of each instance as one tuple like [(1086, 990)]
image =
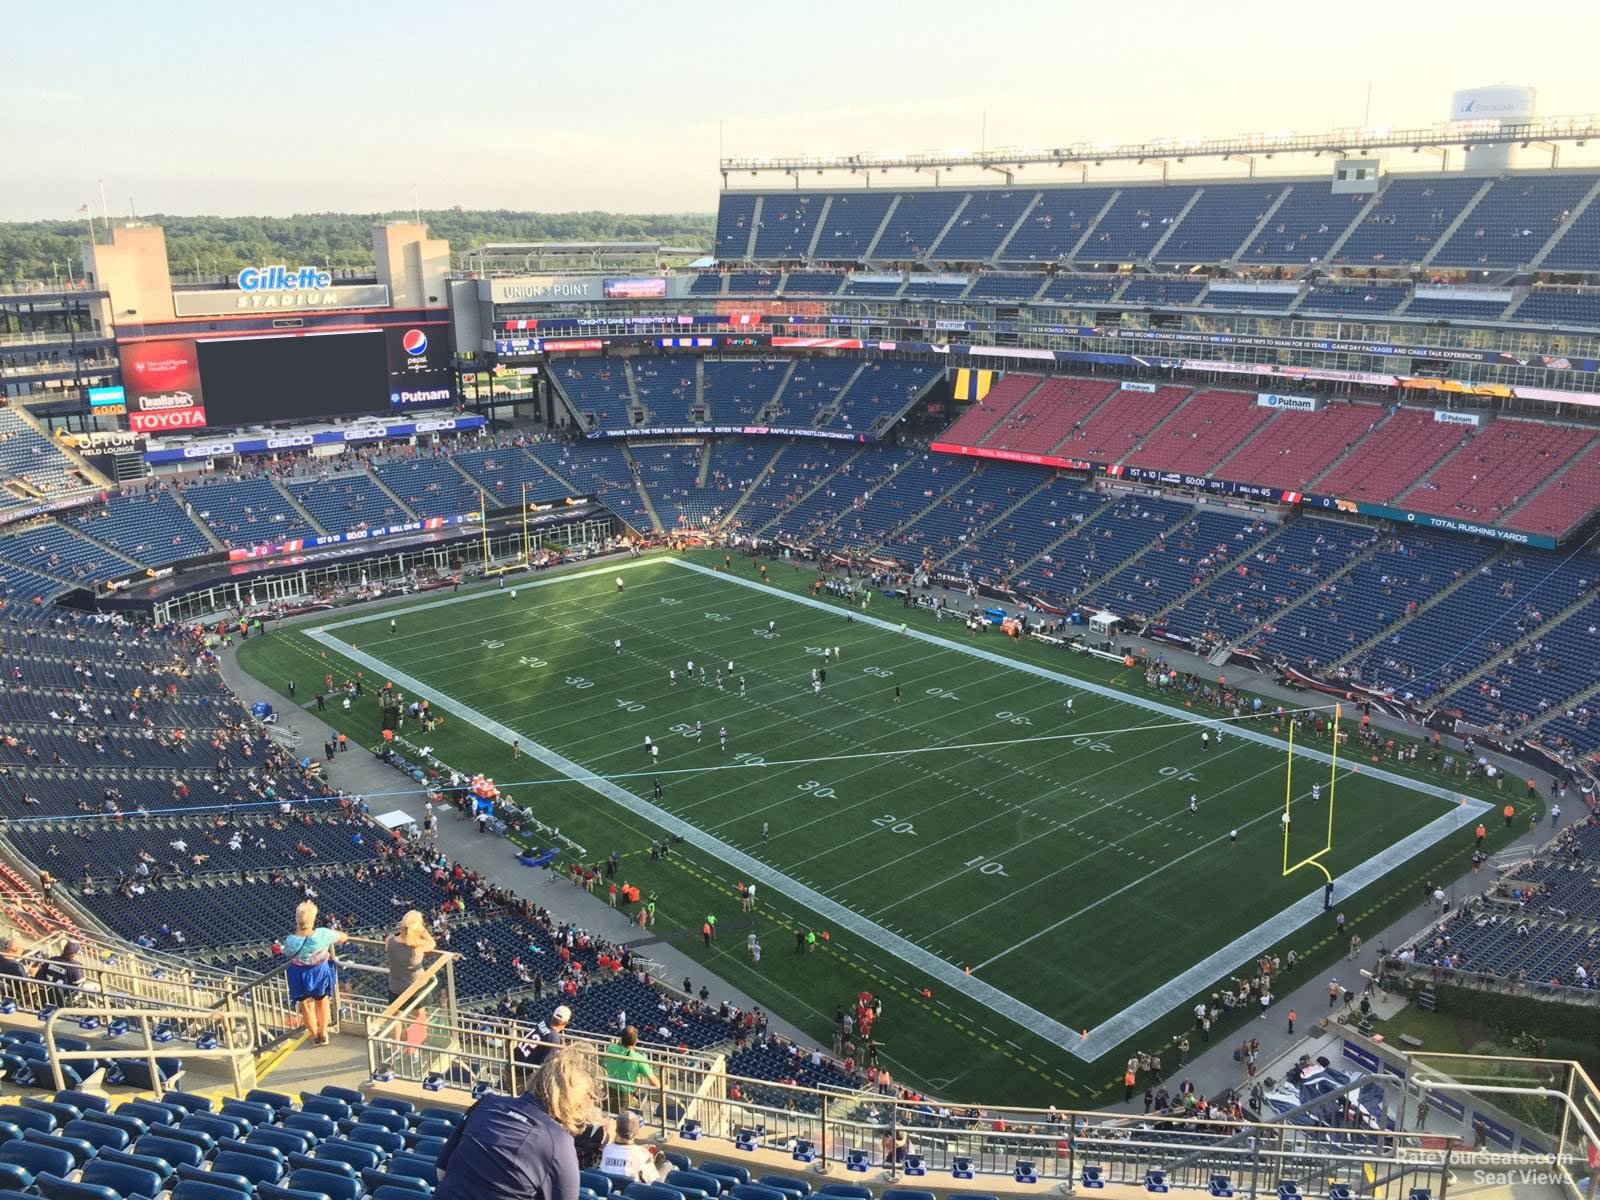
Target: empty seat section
[(1057, 407), (1496, 470), (1392, 457), (1118, 425), (1294, 448), (1199, 435)]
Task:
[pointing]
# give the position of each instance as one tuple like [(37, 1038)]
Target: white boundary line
[(1119, 1027)]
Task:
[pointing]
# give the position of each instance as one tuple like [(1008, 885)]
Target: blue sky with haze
[(345, 104)]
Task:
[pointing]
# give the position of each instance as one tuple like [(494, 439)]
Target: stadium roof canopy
[(524, 255), (1546, 133)]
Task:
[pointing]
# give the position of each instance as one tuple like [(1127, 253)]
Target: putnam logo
[(414, 342)]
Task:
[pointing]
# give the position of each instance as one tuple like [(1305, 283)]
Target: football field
[(1008, 828)]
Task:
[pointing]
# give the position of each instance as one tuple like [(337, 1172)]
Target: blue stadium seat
[(787, 1184), (376, 1135), (853, 1191), (238, 1184), (122, 1178), (128, 1123), (40, 1160), (392, 1190), (385, 1119), (28, 1118), (356, 1155), (61, 1112), (56, 1188), (84, 1101), (160, 1167), (597, 1182), (410, 1184), (80, 1150), (15, 1176), (324, 1106), (725, 1170), (256, 1168), (154, 1115), (336, 1187), (273, 1191), (906, 1194), (289, 1141), (1221, 1187), (170, 1149), (101, 1137), (709, 1184), (195, 1189)]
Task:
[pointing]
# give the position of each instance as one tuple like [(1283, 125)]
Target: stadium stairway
[(1150, 546), (1432, 602), (636, 409), (1516, 647), (1226, 568), (81, 464), (978, 534), (1172, 228), (301, 509), (766, 412), (816, 534), (1552, 478), (890, 535), (1564, 705), (1018, 402), (1461, 219), (638, 484), (1304, 598), (1361, 219), (1155, 429), (828, 412), (399, 503), (1556, 235), (705, 465), (760, 478)]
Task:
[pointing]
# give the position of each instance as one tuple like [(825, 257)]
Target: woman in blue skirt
[(313, 979)]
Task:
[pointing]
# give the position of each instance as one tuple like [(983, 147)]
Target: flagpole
[(105, 212), (527, 558)]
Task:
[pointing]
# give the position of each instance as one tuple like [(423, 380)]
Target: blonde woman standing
[(407, 946), (312, 976)]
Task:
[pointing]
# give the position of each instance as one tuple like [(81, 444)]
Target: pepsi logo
[(414, 342)]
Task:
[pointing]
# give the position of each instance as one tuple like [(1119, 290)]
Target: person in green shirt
[(626, 1068)]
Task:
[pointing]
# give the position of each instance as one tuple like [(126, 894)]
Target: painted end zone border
[(1099, 1040)]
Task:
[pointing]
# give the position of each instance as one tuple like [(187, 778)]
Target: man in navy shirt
[(521, 1147)]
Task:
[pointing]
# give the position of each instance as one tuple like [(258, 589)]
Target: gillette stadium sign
[(278, 287)]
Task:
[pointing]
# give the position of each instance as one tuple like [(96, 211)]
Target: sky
[(347, 105)]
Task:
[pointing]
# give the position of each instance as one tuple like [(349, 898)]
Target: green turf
[(1053, 852)]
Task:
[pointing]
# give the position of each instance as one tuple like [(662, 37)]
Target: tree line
[(211, 247)]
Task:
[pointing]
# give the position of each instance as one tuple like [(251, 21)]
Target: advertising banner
[(277, 299), (108, 401), (419, 366), (174, 421), (1428, 521), (162, 382), (649, 288), (1291, 403), (365, 432), (1446, 417), (1039, 460)]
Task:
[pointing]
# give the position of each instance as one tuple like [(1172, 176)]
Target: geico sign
[(158, 422), (289, 440), (209, 450)]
